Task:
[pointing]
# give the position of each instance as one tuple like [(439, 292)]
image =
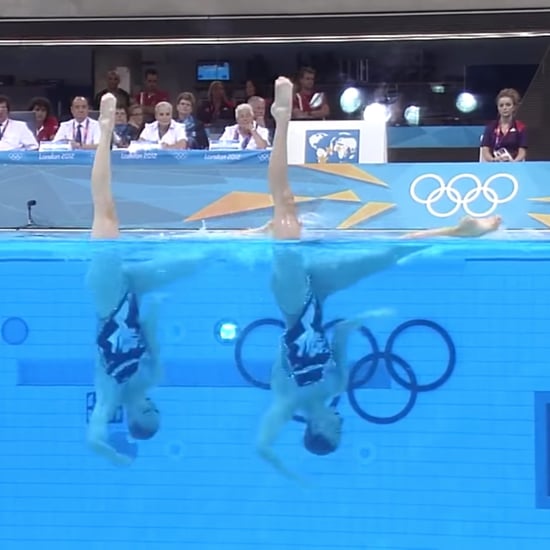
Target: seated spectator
[(247, 132), (216, 108), (258, 108), (151, 95), (304, 106), (252, 89), (505, 139), (14, 134), (135, 117), (81, 131), (196, 134), (113, 82), (124, 133), (165, 130), (46, 125)]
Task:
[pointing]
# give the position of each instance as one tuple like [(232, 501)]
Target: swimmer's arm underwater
[(97, 429), (275, 418)]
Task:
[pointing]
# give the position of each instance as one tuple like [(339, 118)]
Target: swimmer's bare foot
[(107, 110), (476, 227), (281, 109)]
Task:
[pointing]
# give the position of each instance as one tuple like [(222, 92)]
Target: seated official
[(81, 131), (124, 133), (45, 124), (246, 132), (165, 130), (505, 139), (194, 128), (14, 134)]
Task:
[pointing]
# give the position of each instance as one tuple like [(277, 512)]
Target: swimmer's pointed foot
[(107, 110), (281, 109), (476, 227)]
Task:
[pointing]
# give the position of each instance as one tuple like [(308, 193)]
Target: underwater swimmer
[(310, 370), (128, 364)]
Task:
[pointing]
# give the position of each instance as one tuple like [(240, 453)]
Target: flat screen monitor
[(213, 70)]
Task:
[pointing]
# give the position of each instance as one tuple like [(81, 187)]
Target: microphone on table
[(30, 204)]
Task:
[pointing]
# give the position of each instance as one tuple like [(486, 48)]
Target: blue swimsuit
[(307, 347), (120, 340)]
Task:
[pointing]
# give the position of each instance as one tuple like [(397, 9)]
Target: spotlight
[(412, 115), (438, 88), (350, 100), (226, 331), (377, 112), (466, 102)]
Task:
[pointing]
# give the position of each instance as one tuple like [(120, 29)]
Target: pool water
[(446, 420)]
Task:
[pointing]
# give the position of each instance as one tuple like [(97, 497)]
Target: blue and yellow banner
[(228, 190)]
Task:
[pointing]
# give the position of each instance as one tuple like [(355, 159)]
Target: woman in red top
[(46, 124), (506, 138)]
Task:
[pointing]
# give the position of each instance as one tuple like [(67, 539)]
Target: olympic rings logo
[(15, 156), (364, 370), (263, 157), (459, 201)]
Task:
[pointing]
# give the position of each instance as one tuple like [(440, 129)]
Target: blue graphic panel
[(228, 190), (332, 146)]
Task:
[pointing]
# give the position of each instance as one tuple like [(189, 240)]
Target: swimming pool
[(446, 426)]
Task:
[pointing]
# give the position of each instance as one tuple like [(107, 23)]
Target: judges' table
[(228, 189)]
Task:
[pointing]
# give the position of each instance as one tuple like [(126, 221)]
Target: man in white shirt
[(81, 131), (247, 132), (165, 130), (14, 134)]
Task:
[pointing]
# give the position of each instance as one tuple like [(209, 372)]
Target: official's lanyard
[(3, 131), (83, 135), (499, 135), (237, 135)]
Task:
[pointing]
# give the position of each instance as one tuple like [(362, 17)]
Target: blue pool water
[(446, 424)]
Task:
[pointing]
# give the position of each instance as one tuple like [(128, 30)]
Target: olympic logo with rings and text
[(488, 190), (363, 372)]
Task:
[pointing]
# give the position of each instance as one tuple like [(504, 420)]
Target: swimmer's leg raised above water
[(106, 280), (290, 281)]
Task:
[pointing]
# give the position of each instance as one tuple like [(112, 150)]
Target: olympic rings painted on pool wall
[(364, 370)]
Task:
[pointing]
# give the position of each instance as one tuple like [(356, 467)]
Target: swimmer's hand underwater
[(104, 449)]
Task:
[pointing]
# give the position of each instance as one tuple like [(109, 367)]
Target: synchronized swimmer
[(308, 370)]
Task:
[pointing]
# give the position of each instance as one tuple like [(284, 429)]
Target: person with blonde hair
[(505, 139)]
